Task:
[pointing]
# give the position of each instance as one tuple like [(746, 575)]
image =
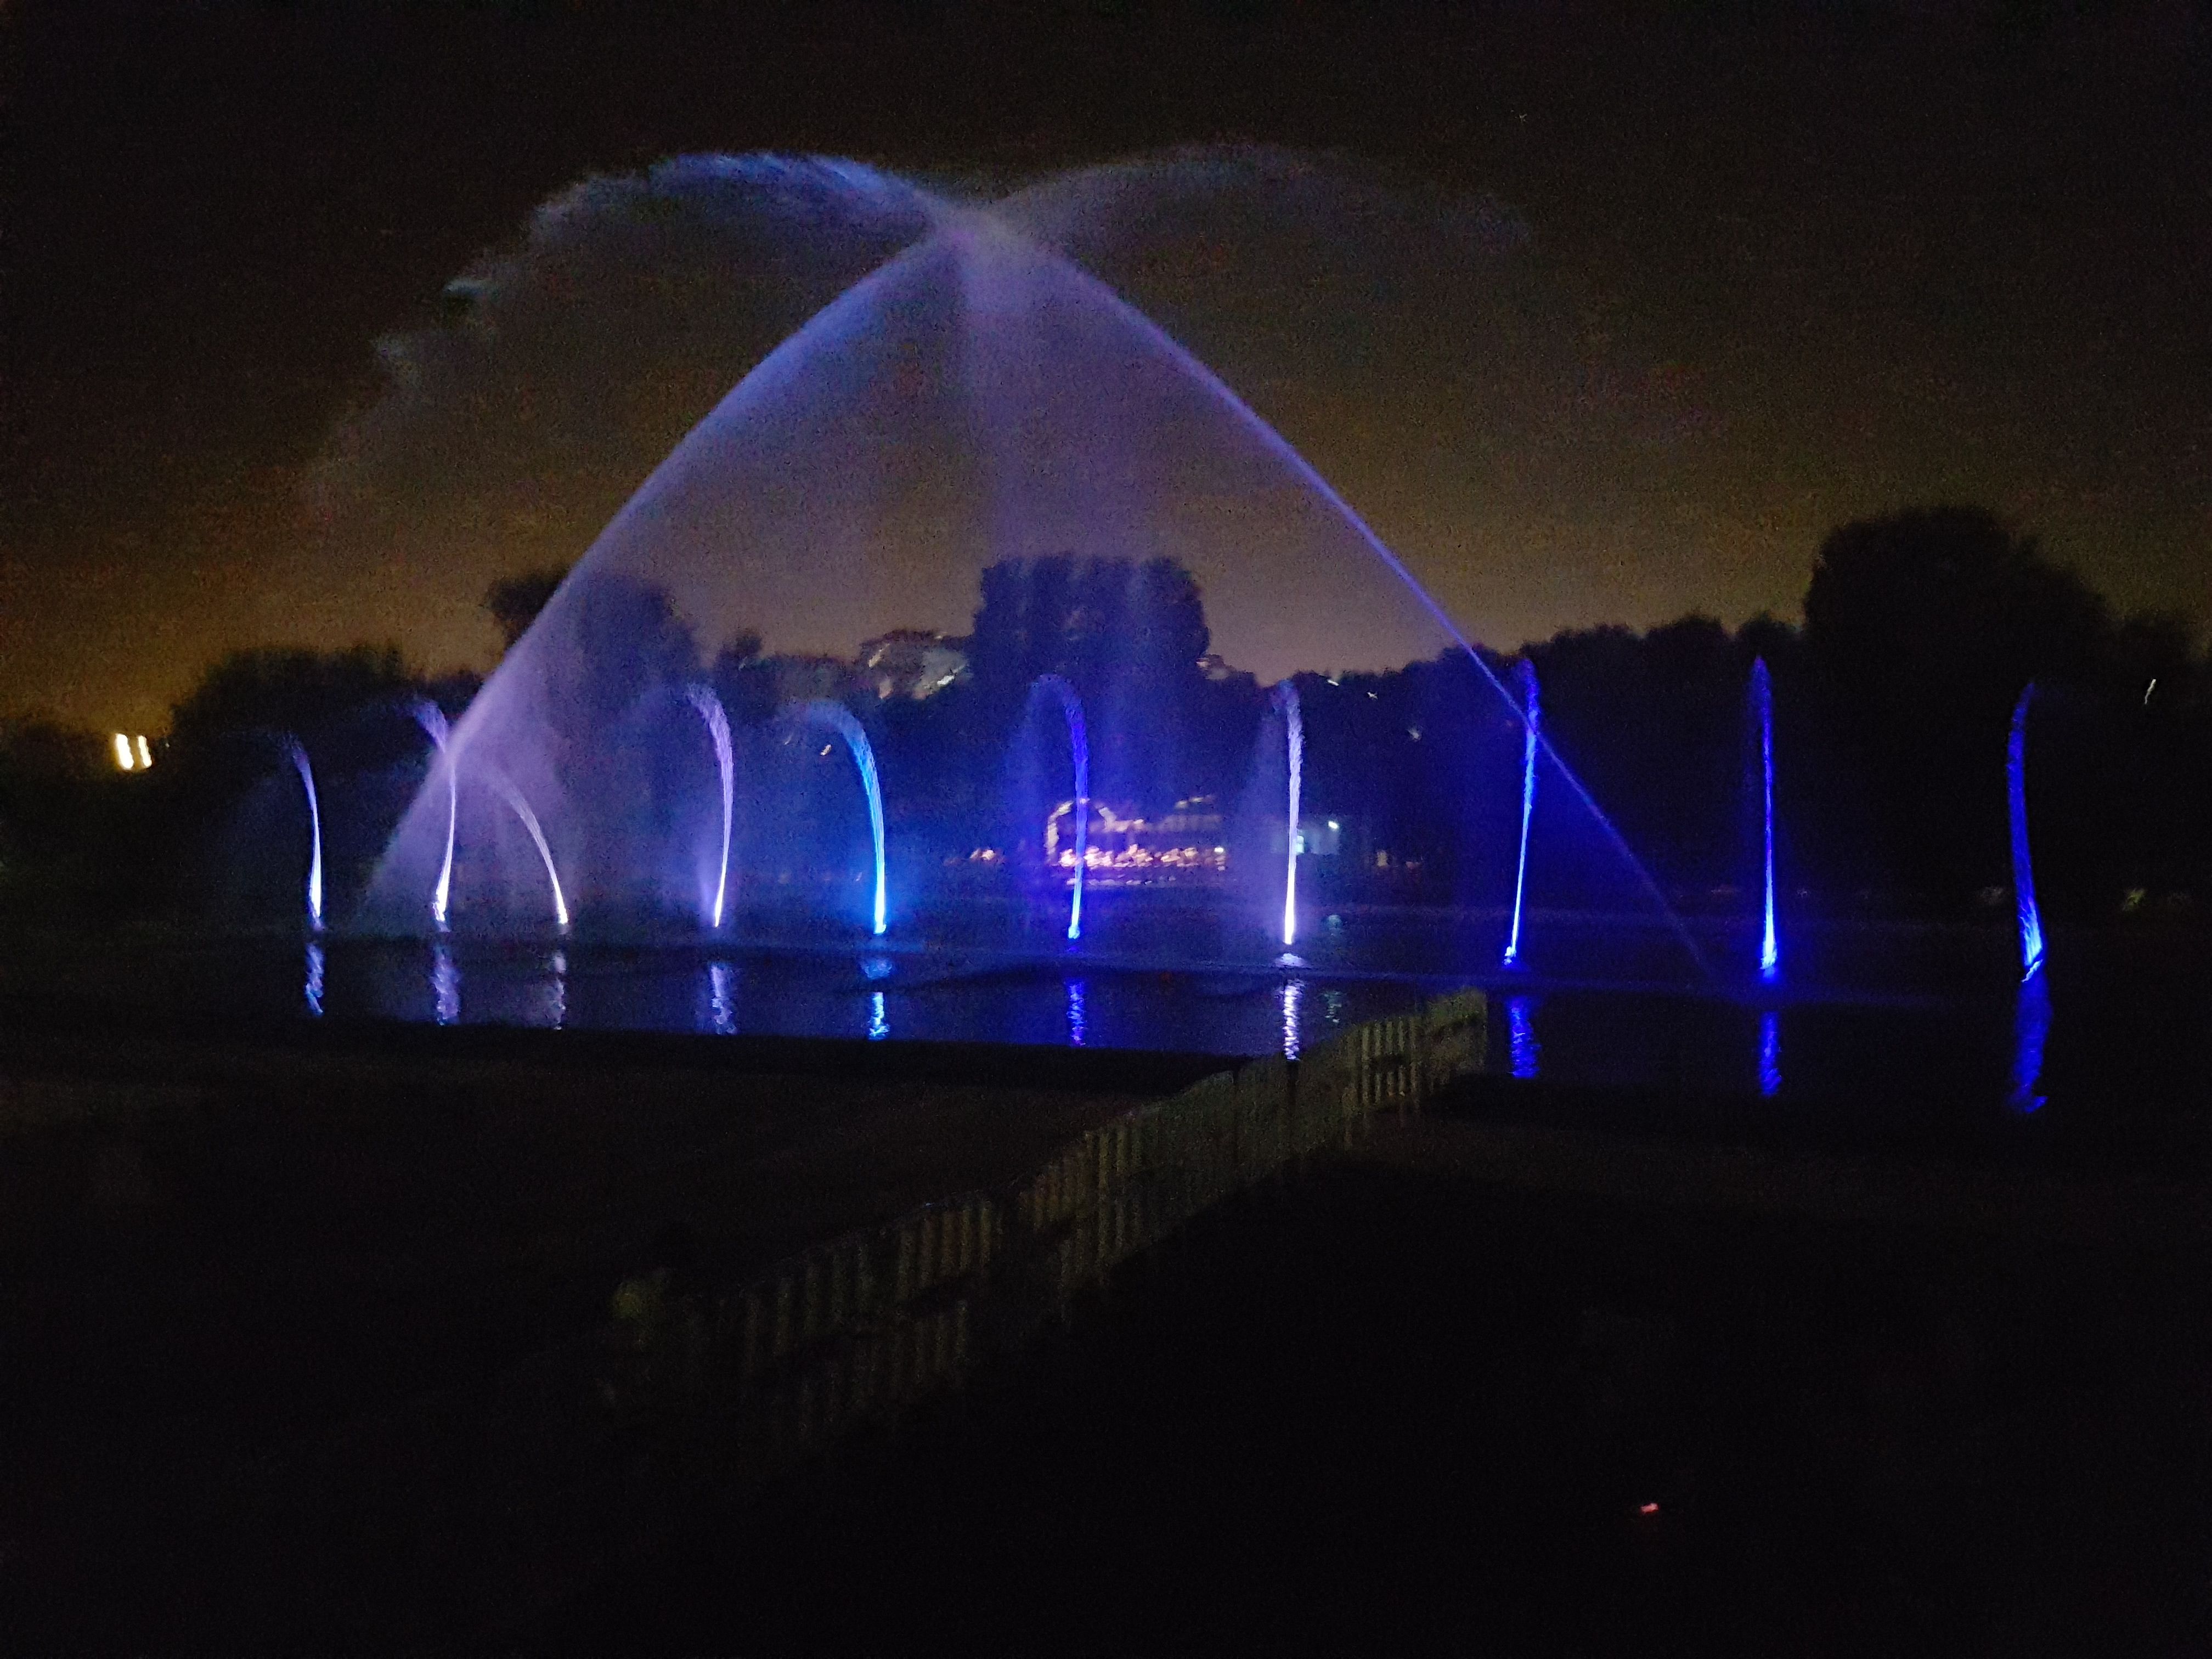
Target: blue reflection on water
[(875, 968), (1077, 1024), (314, 986), (1294, 999), (879, 1018), (1770, 1051), (2031, 1031), (721, 1004), (557, 1001), (1523, 1054), (445, 985)]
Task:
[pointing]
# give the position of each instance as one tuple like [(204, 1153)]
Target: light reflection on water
[(2030, 1033), (1523, 1054), (1293, 1001), (445, 985), (1919, 1061), (721, 1005)]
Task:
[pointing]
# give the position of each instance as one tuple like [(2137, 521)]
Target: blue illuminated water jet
[(709, 705), (2023, 867), (432, 720), (836, 717), (513, 797), (1294, 763), (1762, 710), (1531, 716), (299, 758), (1770, 1051), (1078, 748)]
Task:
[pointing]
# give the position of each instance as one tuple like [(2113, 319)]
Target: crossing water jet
[(836, 717)]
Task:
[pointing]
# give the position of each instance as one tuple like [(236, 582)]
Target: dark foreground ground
[(1414, 1403), (265, 1299)]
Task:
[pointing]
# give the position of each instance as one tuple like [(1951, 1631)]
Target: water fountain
[(1531, 713), (1079, 749), (978, 395), (702, 698), (514, 799), (299, 759), (1294, 761), (1762, 714), (2023, 867), (432, 720), (834, 717)]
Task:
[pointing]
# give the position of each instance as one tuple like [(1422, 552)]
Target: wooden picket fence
[(861, 1328)]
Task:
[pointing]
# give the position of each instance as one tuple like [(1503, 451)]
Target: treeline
[(1891, 703)]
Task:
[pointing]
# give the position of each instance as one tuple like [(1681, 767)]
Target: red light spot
[(1647, 1509)]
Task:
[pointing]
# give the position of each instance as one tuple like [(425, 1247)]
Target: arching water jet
[(1531, 713), (836, 717), (299, 758), (513, 797), (432, 720), (1294, 761), (2023, 867), (1762, 714), (1079, 746), (709, 705)]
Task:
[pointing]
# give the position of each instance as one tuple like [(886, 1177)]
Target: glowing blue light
[(557, 998), (1078, 1026), (1523, 1053), (1294, 756), (314, 986), (1079, 749), (709, 705), (1762, 704), (2023, 867), (299, 757), (839, 719), (879, 1018), (1770, 1053), (1531, 717)]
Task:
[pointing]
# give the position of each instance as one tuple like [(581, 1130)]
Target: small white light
[(124, 758), (145, 754)]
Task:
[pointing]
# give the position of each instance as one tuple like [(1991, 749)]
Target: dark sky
[(1788, 263)]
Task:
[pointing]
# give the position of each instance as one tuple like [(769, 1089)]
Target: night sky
[(1594, 321)]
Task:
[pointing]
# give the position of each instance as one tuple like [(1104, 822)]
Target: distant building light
[(145, 754), (124, 758)]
